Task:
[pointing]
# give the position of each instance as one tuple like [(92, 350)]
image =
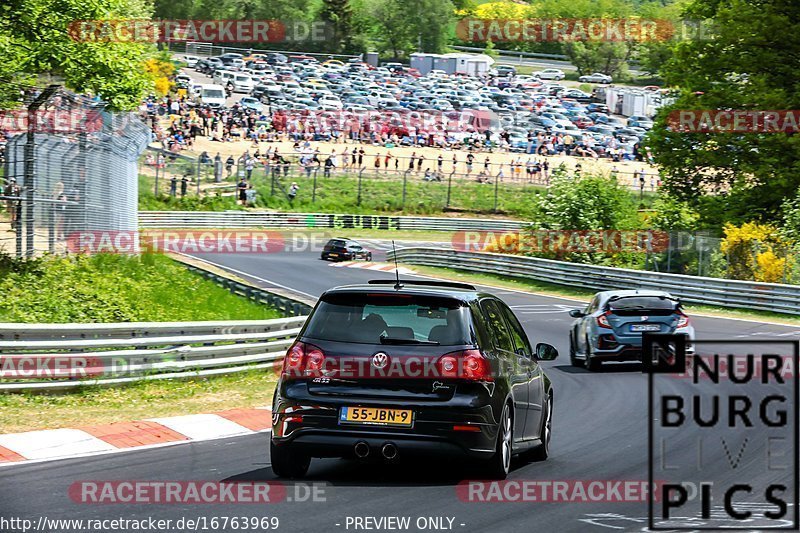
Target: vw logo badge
[(380, 360), (644, 318)]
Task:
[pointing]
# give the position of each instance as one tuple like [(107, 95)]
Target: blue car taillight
[(602, 320)]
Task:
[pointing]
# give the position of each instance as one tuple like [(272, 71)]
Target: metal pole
[(358, 201), (405, 178), (29, 166), (669, 253), (496, 187), (51, 236), (155, 189), (198, 176), (18, 224), (314, 190), (449, 184)]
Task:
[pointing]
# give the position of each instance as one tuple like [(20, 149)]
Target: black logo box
[(676, 363)]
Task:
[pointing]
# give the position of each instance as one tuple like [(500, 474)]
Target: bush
[(114, 288), (756, 252)]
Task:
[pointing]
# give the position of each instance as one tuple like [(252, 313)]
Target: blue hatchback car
[(610, 328)]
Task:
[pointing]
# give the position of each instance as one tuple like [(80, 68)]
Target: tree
[(34, 39), (399, 27), (391, 28), (749, 63), (339, 14), (589, 56)]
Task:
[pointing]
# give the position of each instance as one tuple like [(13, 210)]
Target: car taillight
[(466, 364), (602, 320), (683, 321), (303, 360)]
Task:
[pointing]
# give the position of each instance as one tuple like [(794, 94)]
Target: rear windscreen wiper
[(391, 340)]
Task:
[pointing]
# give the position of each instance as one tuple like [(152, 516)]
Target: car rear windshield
[(390, 319), (637, 304)]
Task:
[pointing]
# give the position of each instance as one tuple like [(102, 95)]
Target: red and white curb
[(49, 444), (383, 267)]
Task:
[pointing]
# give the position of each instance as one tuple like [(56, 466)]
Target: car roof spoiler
[(427, 283)]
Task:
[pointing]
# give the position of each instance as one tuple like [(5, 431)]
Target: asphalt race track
[(599, 433)]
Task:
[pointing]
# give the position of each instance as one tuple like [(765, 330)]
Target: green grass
[(381, 195), (148, 399), (115, 288)]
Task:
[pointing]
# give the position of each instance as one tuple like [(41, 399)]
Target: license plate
[(376, 416), (645, 327), (334, 255)]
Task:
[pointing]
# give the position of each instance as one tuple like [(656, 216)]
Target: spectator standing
[(241, 187), (293, 189), (217, 168)]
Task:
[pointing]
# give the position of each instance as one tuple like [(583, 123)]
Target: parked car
[(610, 328), (640, 121), (595, 77), (597, 108), (550, 74), (249, 102), (348, 389), (575, 94), (344, 250), (504, 71), (242, 83)]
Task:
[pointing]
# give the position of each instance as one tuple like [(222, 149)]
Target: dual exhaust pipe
[(389, 450)]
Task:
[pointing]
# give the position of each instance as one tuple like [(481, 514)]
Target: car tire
[(542, 452), (592, 365), (573, 360), (499, 465), (288, 462)]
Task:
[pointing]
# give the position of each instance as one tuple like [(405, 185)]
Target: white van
[(242, 83), (223, 77), (212, 95)]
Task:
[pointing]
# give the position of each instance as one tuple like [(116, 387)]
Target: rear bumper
[(311, 423), (341, 443)]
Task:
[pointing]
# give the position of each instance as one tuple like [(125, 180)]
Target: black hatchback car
[(384, 370), (344, 250)]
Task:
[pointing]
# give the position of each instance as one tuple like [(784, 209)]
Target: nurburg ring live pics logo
[(722, 433)]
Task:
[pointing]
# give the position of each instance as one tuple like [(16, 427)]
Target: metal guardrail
[(79, 355), (284, 304), (263, 219), (121, 353), (702, 290)]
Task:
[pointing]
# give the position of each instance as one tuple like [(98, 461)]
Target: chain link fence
[(70, 167)]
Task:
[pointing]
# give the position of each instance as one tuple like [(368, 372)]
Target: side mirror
[(546, 352), (576, 313)]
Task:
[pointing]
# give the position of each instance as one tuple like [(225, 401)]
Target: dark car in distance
[(388, 370), (344, 250)]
